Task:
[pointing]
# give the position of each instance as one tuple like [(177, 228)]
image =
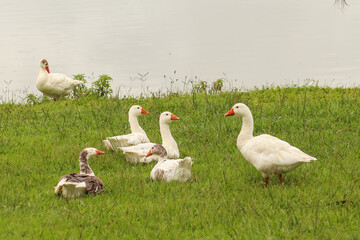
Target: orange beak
[(173, 117), (99, 152), (230, 112), (143, 111), (149, 153), (47, 69)]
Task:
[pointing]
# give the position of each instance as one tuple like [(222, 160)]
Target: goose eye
[(167, 114), (237, 106)]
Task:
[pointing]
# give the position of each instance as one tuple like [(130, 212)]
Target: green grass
[(226, 197)]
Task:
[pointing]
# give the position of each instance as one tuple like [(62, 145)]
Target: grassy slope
[(226, 197)]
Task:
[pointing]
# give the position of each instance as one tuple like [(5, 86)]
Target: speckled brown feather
[(93, 184)]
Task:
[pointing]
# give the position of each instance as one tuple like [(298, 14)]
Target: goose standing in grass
[(137, 153), (55, 85), (75, 184), (169, 169), (268, 154), (136, 136)]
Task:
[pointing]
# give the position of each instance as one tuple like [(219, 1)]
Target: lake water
[(253, 42)]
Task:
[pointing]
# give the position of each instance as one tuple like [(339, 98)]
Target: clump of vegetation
[(81, 89), (31, 99), (200, 87), (217, 85), (101, 87), (204, 87)]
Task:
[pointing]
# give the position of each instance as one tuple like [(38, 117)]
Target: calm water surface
[(253, 42)]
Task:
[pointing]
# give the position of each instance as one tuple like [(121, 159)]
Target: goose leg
[(266, 181), (280, 179)]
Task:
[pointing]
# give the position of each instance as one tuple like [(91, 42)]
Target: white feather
[(137, 153)]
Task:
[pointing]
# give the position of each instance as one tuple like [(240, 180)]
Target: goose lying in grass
[(74, 184), (137, 153), (169, 169), (54, 85), (268, 154), (136, 136)]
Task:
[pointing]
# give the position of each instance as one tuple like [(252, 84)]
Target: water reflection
[(253, 42)]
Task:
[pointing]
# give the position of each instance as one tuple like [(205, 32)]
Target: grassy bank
[(226, 197)]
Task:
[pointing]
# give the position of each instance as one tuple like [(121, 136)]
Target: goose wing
[(92, 184), (128, 140), (269, 150)]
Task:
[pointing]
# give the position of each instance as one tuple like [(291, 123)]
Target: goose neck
[(168, 141), (247, 129), (42, 75), (43, 71), (134, 124), (166, 134), (84, 165)]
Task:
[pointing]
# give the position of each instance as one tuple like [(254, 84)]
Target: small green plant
[(81, 89), (217, 85), (200, 87), (32, 99), (101, 87)]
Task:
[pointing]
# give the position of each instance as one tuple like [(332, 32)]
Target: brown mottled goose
[(75, 184), (169, 169)]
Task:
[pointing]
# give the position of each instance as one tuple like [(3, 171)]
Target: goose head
[(157, 149), (238, 110), (168, 117), (84, 157), (89, 152), (44, 65), (137, 110)]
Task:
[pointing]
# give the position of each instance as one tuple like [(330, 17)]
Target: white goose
[(54, 85), (136, 136), (268, 154), (169, 169), (137, 153), (75, 184)]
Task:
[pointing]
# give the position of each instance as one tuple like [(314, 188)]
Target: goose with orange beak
[(268, 154), (137, 135), (137, 153)]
